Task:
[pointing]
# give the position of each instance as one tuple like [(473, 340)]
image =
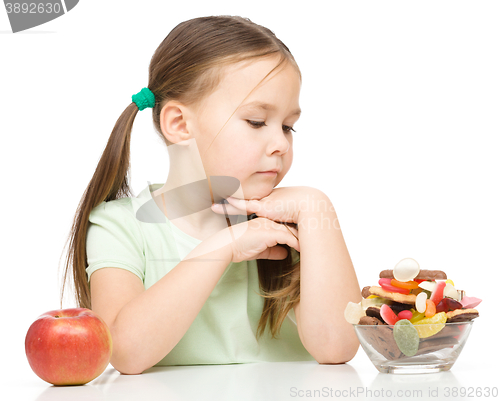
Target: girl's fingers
[(284, 236), (274, 253), (230, 209), (250, 206), (287, 228)]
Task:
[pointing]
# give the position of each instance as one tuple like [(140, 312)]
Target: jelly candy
[(428, 285), (417, 316), (409, 285), (388, 314), (430, 309), (420, 302), (452, 304), (442, 306), (385, 283), (406, 270), (437, 294), (366, 303), (406, 337), (405, 314), (450, 282), (450, 291), (448, 304), (429, 326), (353, 312), (470, 302)]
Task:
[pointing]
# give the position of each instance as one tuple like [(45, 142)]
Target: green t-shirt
[(133, 234)]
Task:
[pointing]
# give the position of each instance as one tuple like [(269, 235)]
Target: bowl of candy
[(414, 321)]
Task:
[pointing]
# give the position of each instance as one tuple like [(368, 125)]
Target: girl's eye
[(258, 124)]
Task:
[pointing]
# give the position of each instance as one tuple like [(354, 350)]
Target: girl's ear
[(173, 122)]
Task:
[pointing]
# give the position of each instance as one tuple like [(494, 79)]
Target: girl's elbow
[(125, 369), (124, 362), (339, 355)]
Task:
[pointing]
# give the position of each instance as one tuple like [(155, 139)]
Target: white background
[(400, 129)]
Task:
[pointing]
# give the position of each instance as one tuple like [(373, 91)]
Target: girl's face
[(258, 136)]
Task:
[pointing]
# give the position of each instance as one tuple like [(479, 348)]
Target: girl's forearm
[(148, 328), (327, 283)]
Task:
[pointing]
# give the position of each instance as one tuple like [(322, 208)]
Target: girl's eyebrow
[(266, 106)]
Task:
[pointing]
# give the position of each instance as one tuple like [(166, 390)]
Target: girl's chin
[(253, 192)]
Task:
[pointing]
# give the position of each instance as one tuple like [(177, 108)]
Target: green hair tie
[(144, 99)]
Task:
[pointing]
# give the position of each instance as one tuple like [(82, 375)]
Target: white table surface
[(475, 369)]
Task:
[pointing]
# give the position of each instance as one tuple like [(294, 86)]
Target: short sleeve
[(114, 239), (295, 256)]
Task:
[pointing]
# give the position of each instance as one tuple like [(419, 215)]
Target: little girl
[(205, 269)]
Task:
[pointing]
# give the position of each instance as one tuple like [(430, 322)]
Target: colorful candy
[(448, 304), (420, 302), (406, 270), (406, 337), (405, 314), (431, 325), (437, 294), (409, 285), (428, 285), (388, 314), (453, 304), (430, 309), (417, 316), (450, 291), (385, 283), (470, 302), (442, 306), (353, 312), (366, 303), (403, 322)]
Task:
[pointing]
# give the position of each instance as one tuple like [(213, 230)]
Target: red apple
[(68, 346)]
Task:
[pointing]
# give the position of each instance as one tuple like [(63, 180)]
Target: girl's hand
[(256, 239), (281, 205)]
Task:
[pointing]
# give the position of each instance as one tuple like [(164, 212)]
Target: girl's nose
[(279, 144)]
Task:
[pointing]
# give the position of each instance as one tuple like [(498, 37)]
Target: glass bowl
[(435, 353)]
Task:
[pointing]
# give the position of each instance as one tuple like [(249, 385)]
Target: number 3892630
[(33, 8)]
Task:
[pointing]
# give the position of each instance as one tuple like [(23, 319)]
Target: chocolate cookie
[(444, 338), (381, 339), (374, 311), (370, 321), (461, 315), (422, 275), (437, 344), (386, 345), (365, 292)]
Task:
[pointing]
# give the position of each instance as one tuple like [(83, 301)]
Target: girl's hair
[(187, 66)]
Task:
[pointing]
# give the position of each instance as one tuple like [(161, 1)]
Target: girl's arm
[(327, 283), (149, 323)]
